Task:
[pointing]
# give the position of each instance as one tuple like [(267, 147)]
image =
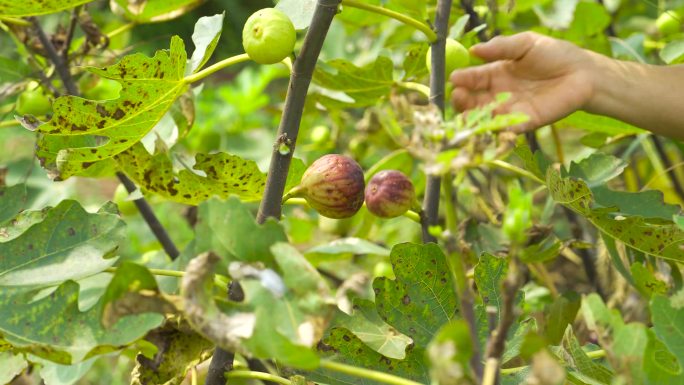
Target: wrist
[(602, 74)]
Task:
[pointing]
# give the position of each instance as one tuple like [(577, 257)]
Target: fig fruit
[(333, 186), (668, 23), (268, 36), (389, 194), (33, 102), (457, 56)]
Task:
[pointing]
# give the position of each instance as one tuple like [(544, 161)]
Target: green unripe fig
[(320, 134), (389, 194), (383, 269), (126, 207), (668, 23), (456, 56), (105, 89), (268, 36), (33, 102), (333, 186)]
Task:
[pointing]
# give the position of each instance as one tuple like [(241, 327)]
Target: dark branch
[(437, 80), (474, 19), (302, 71), (221, 362), (60, 65), (70, 33), (152, 222)]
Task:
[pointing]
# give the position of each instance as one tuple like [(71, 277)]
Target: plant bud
[(333, 186), (389, 194)]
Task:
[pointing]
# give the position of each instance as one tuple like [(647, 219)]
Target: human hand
[(548, 78)]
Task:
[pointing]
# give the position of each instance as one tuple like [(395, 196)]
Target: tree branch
[(152, 222), (474, 19), (497, 340), (300, 78), (437, 80), (60, 65)]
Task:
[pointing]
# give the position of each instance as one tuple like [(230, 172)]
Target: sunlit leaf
[(83, 132), (218, 174), (206, 35), (153, 11), (363, 85), (13, 8)]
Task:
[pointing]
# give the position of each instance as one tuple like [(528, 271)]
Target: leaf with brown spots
[(64, 242), (153, 11), (417, 303), (51, 325), (14, 8), (219, 174), (84, 132), (654, 236)]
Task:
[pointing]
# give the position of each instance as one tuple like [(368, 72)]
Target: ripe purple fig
[(333, 186), (389, 194)]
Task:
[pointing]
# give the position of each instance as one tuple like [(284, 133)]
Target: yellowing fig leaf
[(653, 236), (16, 8), (225, 175), (153, 11), (84, 132)]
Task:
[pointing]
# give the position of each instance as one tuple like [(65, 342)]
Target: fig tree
[(268, 36), (389, 194), (457, 56), (333, 186)]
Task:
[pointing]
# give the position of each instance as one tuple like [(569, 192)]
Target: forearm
[(647, 96)]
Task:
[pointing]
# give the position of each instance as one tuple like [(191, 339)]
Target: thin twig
[(497, 340), (587, 260), (70, 33), (60, 66), (457, 266), (437, 80), (146, 211), (667, 164), (474, 19)]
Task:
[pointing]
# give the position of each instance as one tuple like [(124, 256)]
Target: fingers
[(512, 47), (474, 78), (463, 99)]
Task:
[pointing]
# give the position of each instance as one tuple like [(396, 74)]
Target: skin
[(549, 79)]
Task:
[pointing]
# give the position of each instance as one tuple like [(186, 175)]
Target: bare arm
[(549, 79)]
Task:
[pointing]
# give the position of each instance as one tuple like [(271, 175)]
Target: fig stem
[(422, 88), (243, 57), (366, 373), (118, 31), (419, 25), (295, 192), (258, 376)]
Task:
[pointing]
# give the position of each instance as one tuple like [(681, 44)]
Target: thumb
[(505, 47)]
